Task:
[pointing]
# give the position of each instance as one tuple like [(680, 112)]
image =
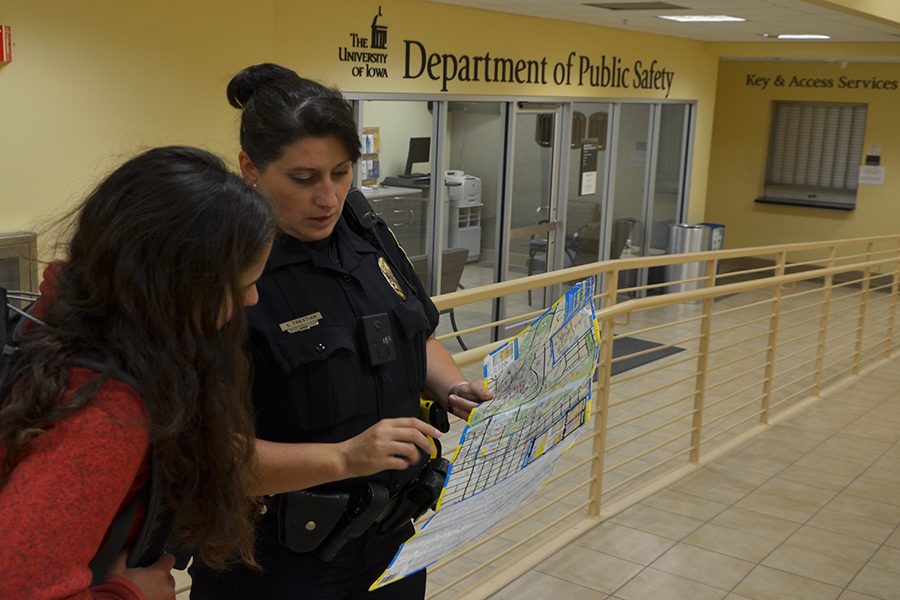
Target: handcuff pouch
[(306, 518)]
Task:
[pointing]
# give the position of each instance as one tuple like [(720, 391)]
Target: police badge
[(391, 278)]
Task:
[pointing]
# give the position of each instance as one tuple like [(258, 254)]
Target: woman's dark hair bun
[(244, 84)]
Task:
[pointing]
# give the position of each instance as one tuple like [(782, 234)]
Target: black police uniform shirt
[(313, 379)]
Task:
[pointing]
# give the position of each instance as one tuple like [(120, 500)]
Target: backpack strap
[(153, 537), (115, 541), (122, 524), (152, 540), (98, 364)]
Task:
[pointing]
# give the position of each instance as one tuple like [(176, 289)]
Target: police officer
[(342, 342)]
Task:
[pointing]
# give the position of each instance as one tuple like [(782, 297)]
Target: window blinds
[(814, 154), (816, 145)]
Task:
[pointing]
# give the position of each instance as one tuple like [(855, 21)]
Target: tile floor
[(808, 509), (819, 520)]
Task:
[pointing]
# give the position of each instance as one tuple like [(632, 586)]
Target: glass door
[(531, 207), (670, 172), (631, 167), (587, 179), (649, 163), (668, 183), (472, 186)]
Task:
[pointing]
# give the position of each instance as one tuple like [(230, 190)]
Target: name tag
[(301, 323)]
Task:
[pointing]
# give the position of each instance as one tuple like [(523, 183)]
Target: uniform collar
[(288, 250)]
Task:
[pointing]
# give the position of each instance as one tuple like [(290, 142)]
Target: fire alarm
[(5, 44)]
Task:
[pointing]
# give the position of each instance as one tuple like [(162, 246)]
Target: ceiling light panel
[(701, 18), (803, 36), (636, 5)]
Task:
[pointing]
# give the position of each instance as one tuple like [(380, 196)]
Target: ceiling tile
[(763, 16)]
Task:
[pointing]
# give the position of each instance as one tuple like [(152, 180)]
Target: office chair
[(581, 246), (453, 263)]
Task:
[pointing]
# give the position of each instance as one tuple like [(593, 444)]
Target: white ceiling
[(763, 17)]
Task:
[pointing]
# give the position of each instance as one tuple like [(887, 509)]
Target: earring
[(254, 186)]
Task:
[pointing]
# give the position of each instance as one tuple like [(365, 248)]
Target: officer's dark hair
[(278, 107), (152, 284)]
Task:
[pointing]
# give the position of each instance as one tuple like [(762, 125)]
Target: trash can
[(716, 235), (684, 238)]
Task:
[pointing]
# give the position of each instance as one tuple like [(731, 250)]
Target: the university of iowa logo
[(367, 55), (379, 33)]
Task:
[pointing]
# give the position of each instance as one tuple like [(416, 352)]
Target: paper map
[(541, 381)]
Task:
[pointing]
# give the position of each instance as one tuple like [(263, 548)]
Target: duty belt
[(323, 522)]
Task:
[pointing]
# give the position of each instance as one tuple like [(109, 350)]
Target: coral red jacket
[(62, 496)]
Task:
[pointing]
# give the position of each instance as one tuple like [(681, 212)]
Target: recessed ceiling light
[(700, 18), (803, 36), (636, 5)]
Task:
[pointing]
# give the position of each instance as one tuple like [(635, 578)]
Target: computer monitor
[(419, 152)]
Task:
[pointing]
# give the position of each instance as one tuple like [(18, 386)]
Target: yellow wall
[(96, 80), (737, 166), (772, 50), (93, 81), (445, 29), (887, 11)]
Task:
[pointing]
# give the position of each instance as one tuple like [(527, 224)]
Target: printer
[(462, 189), (464, 208)]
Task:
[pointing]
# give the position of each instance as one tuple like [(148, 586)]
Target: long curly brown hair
[(159, 250)]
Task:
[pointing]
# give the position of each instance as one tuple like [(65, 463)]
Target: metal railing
[(765, 332)]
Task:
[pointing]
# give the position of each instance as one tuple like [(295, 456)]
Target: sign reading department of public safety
[(366, 55)]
